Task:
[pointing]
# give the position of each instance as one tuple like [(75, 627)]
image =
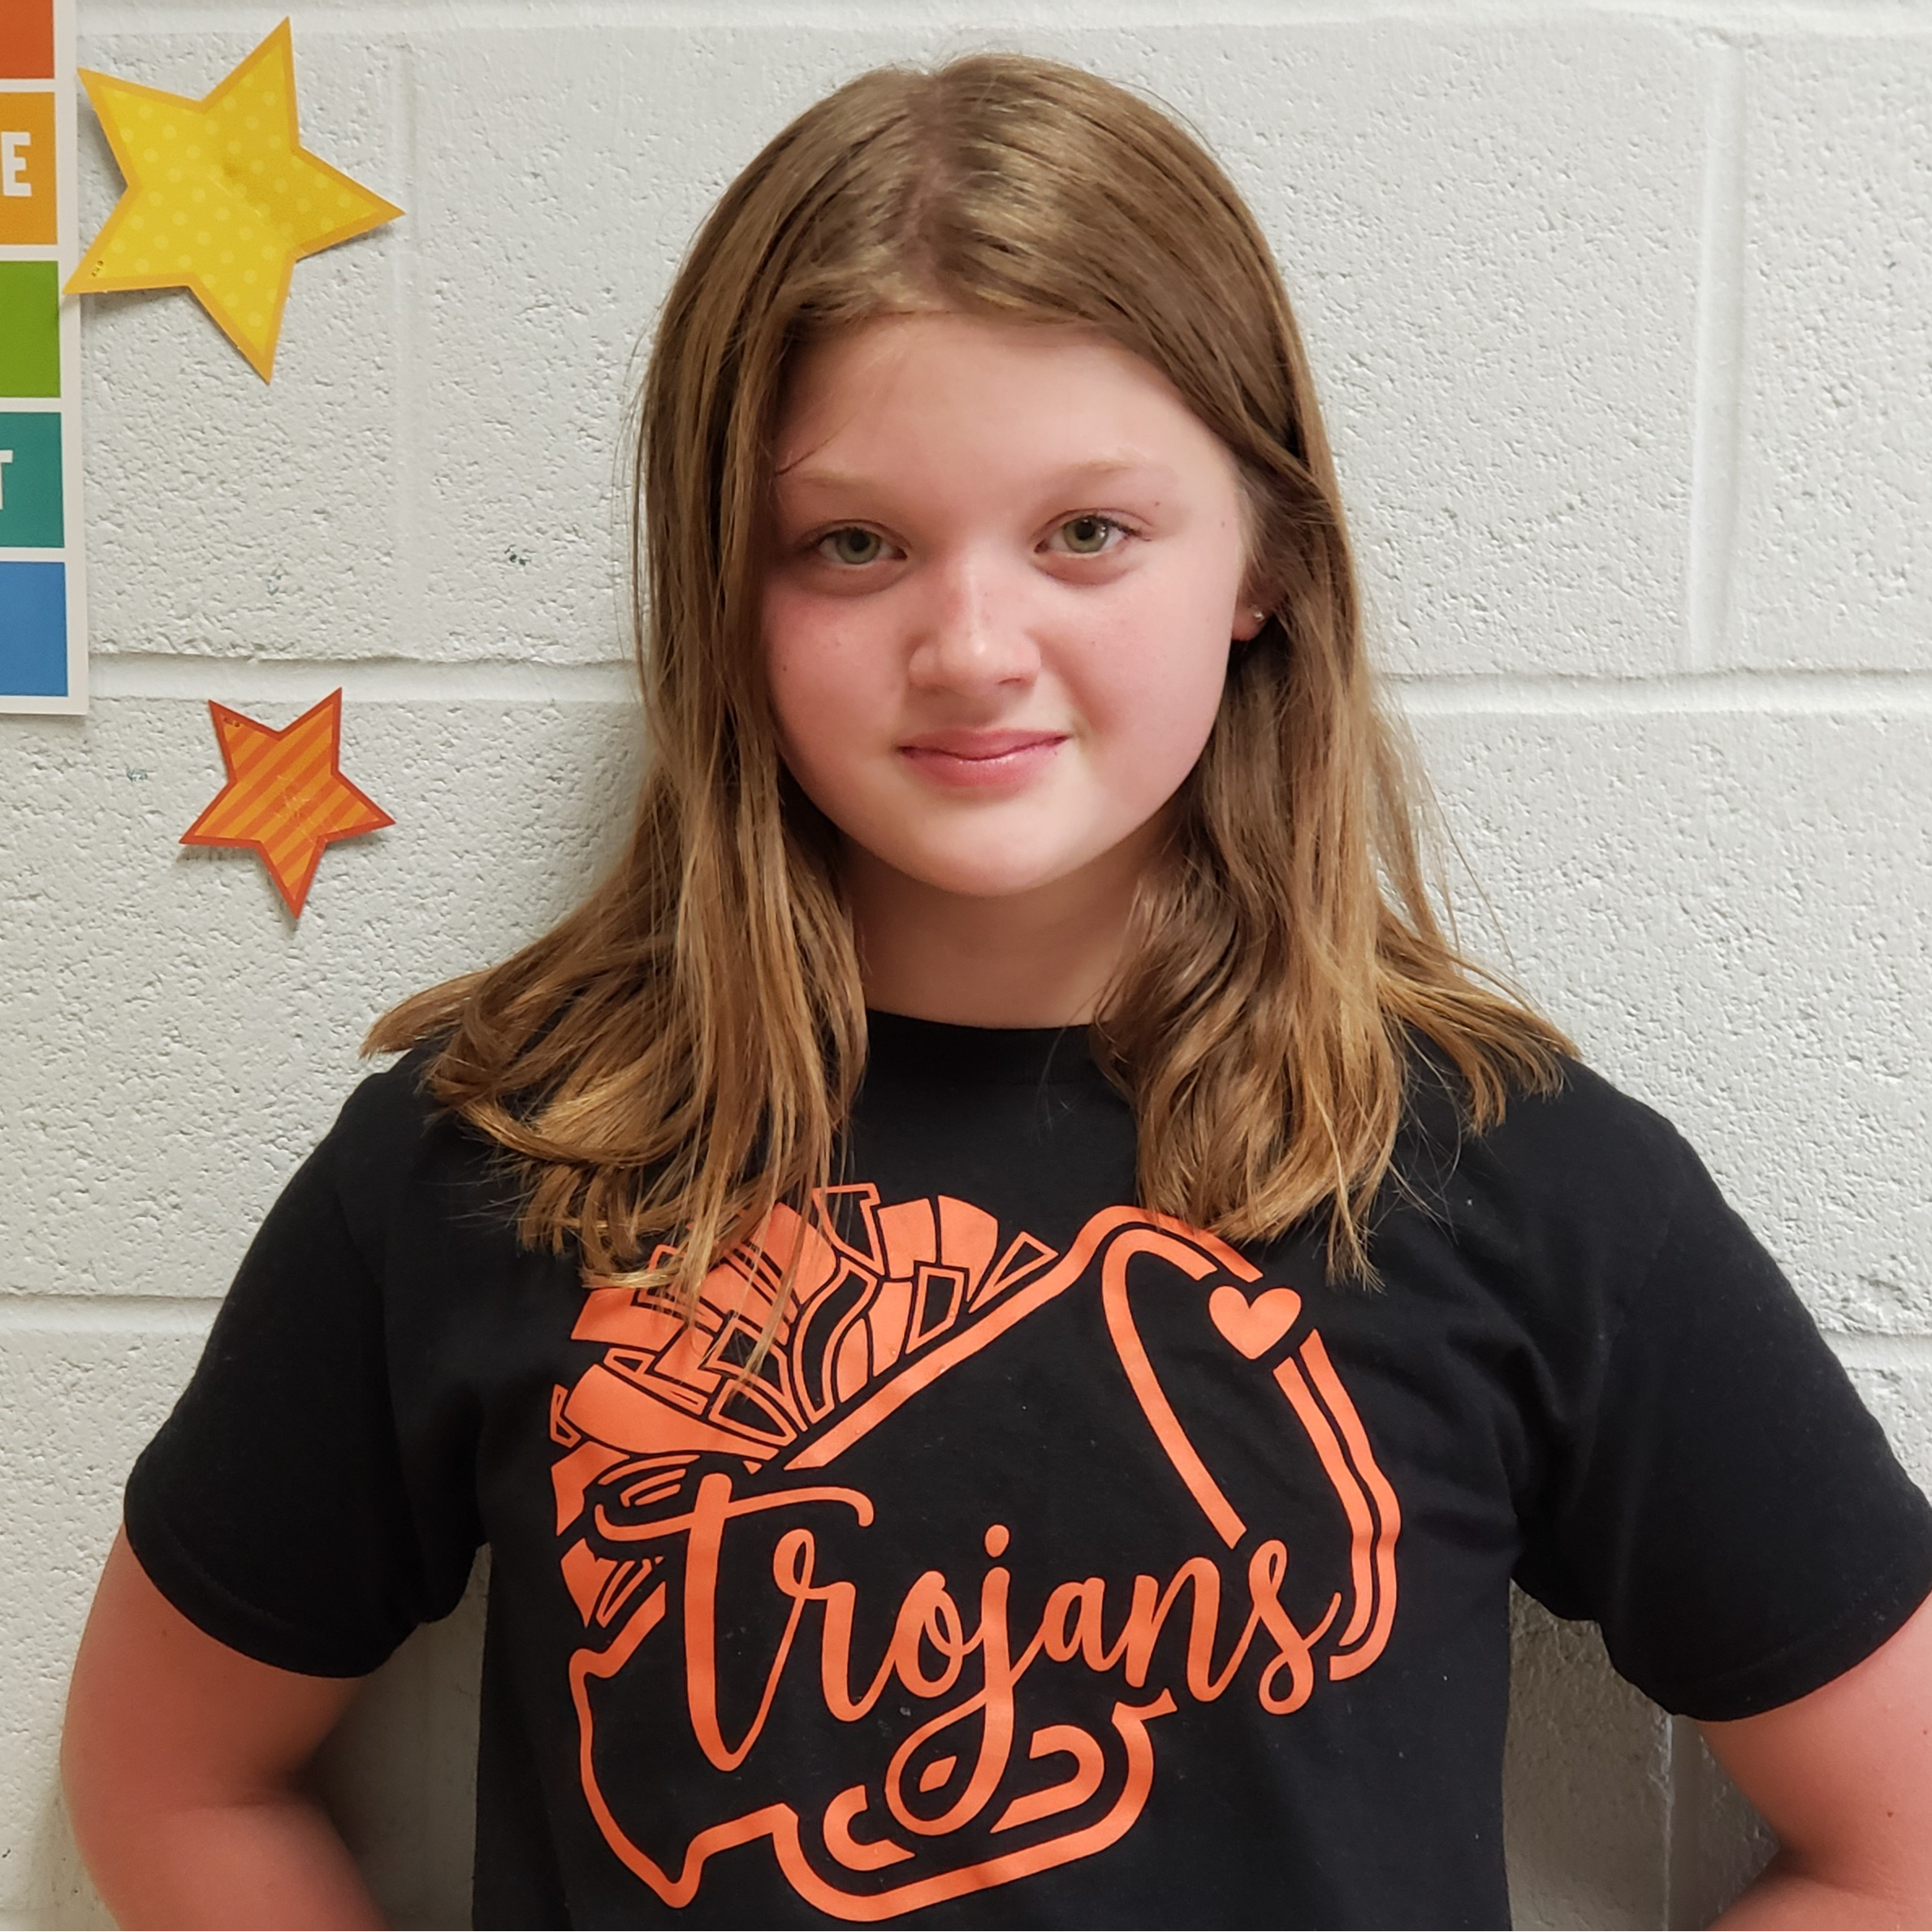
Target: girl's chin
[(1006, 855), (986, 876)]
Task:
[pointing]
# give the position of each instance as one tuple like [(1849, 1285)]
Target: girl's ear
[(1248, 620)]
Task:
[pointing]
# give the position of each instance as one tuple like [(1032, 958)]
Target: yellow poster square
[(27, 205)]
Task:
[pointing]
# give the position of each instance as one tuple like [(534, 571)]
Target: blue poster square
[(33, 630)]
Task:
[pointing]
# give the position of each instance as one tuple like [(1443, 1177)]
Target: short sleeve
[(1734, 1520), (273, 1508)]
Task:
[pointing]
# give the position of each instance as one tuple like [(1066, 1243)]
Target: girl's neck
[(1040, 958)]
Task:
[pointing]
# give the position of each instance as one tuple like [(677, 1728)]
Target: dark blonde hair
[(680, 1052)]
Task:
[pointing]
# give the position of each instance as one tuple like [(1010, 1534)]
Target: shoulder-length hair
[(679, 1054)]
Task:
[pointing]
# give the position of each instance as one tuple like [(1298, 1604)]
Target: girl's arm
[(1844, 1778), (182, 1760)]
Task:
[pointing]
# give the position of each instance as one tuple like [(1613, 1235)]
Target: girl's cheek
[(801, 649), (808, 636), (1150, 676), (832, 701)]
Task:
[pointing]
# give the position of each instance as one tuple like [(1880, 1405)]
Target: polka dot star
[(286, 796), (222, 197)]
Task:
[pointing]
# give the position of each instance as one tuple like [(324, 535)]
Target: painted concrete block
[(1716, 1843), (174, 1043), (1729, 912), (1585, 1781), (1491, 232), (228, 515), (564, 170), (1834, 509)]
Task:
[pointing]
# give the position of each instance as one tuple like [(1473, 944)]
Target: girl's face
[(1008, 567)]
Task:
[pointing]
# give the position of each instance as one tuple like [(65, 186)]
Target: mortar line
[(196, 676), (1716, 380), (404, 281), (1672, 1822), (22, 1311), (1882, 1352), (1795, 693), (110, 17), (364, 680), (1800, 693)]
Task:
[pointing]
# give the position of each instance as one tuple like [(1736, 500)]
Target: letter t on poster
[(43, 600)]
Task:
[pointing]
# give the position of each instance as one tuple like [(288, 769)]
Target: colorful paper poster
[(43, 603)]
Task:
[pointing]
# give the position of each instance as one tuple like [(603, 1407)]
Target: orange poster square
[(27, 205), (27, 40)]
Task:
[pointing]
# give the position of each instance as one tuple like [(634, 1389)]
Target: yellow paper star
[(222, 197)]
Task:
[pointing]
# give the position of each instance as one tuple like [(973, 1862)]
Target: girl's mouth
[(981, 760)]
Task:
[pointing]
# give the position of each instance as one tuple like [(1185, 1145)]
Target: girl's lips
[(981, 760)]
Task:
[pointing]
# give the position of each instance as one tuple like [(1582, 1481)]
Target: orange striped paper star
[(286, 796)]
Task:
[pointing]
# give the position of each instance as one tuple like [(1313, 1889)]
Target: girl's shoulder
[(1580, 1139), (395, 1152), (392, 1106), (1579, 1205)]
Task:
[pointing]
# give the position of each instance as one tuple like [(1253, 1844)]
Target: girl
[(1008, 1307)]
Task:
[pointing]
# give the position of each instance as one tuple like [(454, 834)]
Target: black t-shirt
[(1059, 1565)]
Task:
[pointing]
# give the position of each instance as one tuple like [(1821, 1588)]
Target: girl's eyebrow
[(1105, 469)]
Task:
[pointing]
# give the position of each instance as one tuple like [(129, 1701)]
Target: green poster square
[(33, 630), (30, 328), (30, 517)]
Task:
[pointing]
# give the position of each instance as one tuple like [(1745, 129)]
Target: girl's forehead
[(874, 390), (927, 344)]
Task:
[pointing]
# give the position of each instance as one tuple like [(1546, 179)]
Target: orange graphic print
[(712, 1517)]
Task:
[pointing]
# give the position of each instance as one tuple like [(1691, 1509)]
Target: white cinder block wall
[(1624, 320)]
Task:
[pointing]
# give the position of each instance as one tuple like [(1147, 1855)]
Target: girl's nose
[(973, 629)]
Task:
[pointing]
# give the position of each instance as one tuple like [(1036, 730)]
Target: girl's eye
[(852, 546), (1089, 536)]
